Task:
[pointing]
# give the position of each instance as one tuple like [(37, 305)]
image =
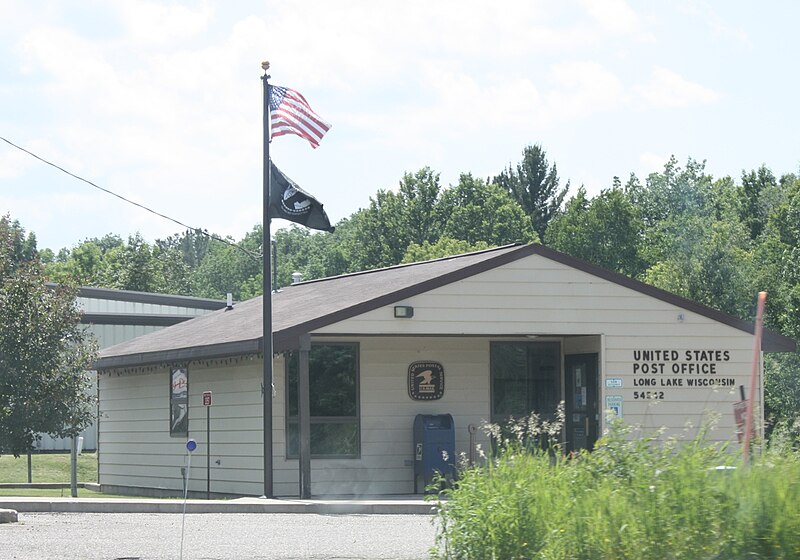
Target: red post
[(748, 430)]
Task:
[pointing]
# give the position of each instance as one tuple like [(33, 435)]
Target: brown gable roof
[(307, 306)]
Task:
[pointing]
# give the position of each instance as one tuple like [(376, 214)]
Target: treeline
[(717, 241), (420, 219)]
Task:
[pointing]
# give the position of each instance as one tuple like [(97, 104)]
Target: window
[(526, 377), (333, 387)]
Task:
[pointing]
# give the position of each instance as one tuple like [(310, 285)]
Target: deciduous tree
[(44, 350), (605, 230), (479, 213)]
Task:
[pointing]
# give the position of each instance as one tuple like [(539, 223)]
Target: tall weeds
[(631, 498)]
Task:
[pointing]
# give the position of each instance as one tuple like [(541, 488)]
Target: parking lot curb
[(239, 505)]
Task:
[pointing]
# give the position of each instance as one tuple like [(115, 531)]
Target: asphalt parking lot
[(211, 536)]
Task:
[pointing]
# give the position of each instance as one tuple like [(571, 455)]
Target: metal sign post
[(73, 466), (207, 403), (191, 445)]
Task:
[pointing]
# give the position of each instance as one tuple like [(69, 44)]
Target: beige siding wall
[(535, 295), (137, 450)]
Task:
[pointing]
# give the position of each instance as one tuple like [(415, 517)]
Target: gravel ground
[(117, 536)]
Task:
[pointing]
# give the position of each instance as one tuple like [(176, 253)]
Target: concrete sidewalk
[(409, 505)]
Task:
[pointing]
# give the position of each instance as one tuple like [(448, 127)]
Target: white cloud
[(583, 88), (476, 104), (362, 43), (614, 15), (462, 103), (62, 54), (156, 23), (618, 18), (668, 89), (651, 163), (718, 26)]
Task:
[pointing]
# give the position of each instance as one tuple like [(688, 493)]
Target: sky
[(161, 102)]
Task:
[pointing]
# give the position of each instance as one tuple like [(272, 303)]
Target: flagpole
[(266, 249)]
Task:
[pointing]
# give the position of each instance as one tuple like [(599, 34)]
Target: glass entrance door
[(581, 403)]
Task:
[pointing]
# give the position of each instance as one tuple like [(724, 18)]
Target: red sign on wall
[(206, 398)]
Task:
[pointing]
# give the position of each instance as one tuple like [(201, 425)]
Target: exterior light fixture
[(403, 311)]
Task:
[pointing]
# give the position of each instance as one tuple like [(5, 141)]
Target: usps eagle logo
[(425, 381)]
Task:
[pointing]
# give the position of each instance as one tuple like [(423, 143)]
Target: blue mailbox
[(434, 449)]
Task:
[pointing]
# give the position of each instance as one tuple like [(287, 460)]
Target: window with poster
[(179, 402)]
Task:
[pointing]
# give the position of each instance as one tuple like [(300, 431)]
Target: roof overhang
[(181, 355)]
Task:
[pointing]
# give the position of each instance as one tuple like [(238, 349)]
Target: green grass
[(50, 468), (630, 499), (47, 467), (65, 493), (52, 493)]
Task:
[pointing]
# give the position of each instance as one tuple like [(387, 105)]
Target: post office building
[(369, 368)]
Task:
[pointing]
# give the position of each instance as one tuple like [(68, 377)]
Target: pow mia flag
[(290, 202)]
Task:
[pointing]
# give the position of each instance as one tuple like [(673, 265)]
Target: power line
[(196, 230)]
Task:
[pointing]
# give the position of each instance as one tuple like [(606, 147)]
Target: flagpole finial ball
[(265, 65)]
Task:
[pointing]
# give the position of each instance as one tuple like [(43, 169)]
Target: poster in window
[(179, 402), (425, 381)]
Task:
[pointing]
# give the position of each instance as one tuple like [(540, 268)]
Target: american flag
[(291, 114)]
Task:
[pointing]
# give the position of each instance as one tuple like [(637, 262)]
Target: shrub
[(631, 498)]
